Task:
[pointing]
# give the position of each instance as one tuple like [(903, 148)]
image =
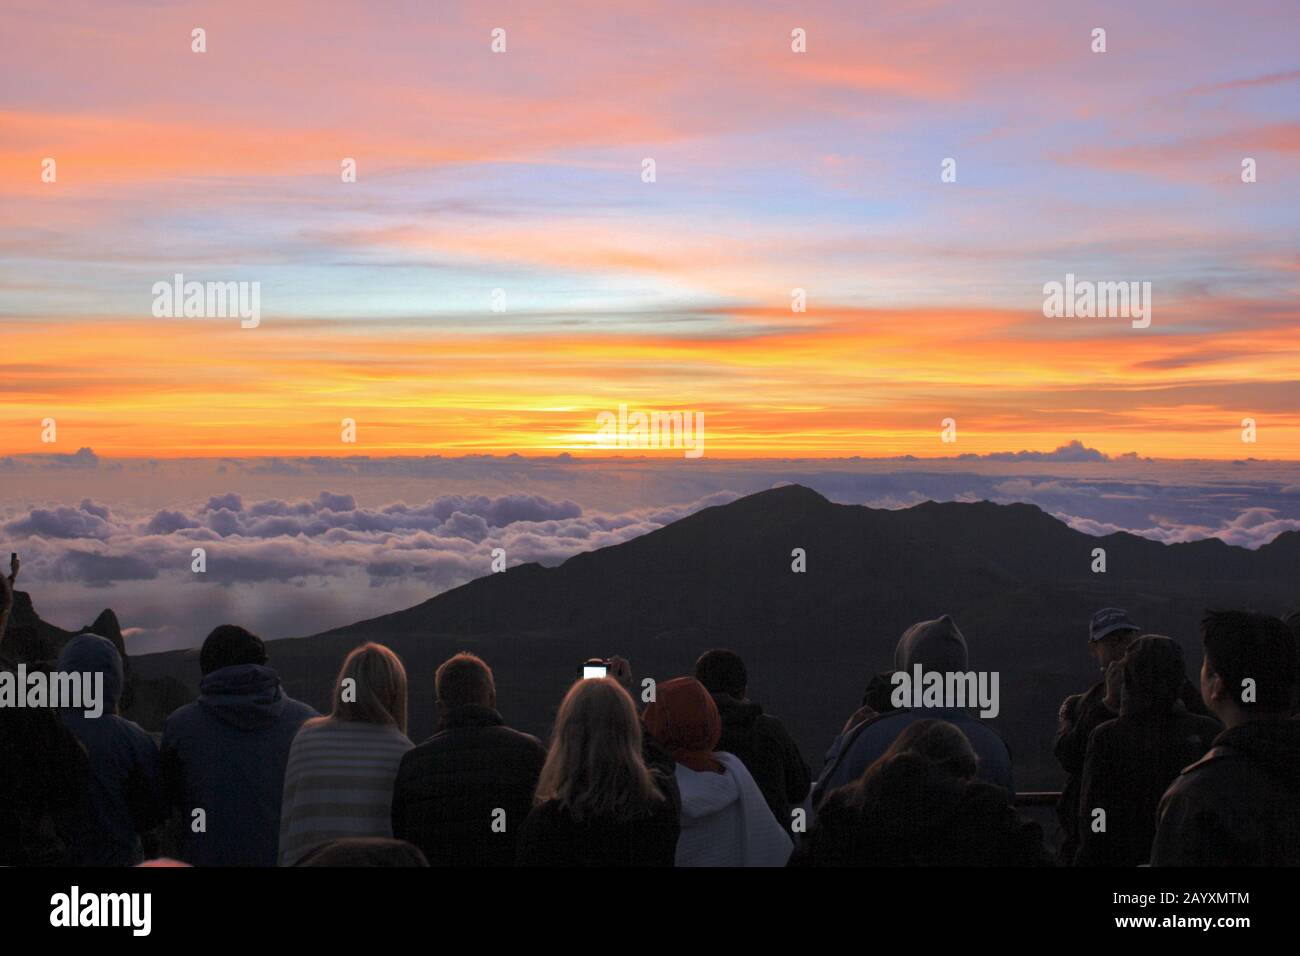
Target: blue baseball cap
[(1108, 621)]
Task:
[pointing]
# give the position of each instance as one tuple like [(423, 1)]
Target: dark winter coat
[(1132, 759), (552, 836), (768, 752), (225, 754), (1239, 805), (1079, 716), (449, 788), (124, 798)]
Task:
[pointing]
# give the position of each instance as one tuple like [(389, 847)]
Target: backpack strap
[(850, 738)]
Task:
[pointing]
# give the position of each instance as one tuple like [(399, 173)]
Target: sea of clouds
[(296, 546)]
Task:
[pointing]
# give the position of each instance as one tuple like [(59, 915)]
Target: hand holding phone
[(1114, 686), (620, 668), (6, 600)]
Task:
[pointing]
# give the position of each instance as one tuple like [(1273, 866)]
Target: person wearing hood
[(1133, 758), (759, 740), (934, 646), (725, 820), (1239, 805), (108, 627), (124, 798), (224, 755)]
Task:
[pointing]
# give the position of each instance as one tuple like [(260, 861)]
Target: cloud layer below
[(376, 535)]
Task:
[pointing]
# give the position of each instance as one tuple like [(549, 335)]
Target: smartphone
[(594, 668)]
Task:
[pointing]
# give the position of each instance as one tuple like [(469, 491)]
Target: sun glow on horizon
[(797, 271)]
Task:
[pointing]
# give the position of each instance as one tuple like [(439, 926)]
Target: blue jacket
[(225, 754), (936, 646), (868, 745), (124, 797)]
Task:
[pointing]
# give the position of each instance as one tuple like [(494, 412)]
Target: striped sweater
[(339, 783)]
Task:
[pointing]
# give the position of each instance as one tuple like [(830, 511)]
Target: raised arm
[(7, 594)]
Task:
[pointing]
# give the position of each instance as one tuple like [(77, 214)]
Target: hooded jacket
[(1239, 805), (936, 646), (768, 752), (124, 797), (684, 719), (725, 820), (1133, 758), (225, 754)]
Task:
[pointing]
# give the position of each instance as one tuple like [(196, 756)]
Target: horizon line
[(1022, 456)]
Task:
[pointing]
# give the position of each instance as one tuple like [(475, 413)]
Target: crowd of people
[(1159, 771)]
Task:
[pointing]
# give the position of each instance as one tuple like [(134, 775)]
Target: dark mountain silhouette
[(1018, 582), (147, 701), (28, 636)]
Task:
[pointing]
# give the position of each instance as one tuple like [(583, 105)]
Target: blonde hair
[(379, 688), (594, 766)]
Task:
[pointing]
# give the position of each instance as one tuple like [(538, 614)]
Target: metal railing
[(1038, 798)]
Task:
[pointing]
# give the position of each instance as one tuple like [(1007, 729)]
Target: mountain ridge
[(1017, 580)]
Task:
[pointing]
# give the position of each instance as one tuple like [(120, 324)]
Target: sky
[(839, 266), (523, 171)]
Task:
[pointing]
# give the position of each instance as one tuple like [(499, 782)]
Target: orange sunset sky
[(521, 171)]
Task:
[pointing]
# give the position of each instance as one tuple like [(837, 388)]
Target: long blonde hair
[(379, 688), (594, 766)]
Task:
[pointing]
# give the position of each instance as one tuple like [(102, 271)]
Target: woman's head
[(685, 720), (371, 688), (594, 766), (939, 742), (928, 765)]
